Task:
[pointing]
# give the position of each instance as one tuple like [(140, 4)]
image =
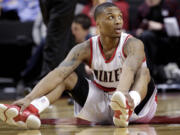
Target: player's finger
[(23, 107), (19, 102)]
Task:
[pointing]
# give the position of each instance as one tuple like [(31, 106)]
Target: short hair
[(83, 20), (100, 8)]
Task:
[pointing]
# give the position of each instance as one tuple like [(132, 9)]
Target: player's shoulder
[(82, 49), (84, 46), (134, 42), (133, 46), (130, 38)]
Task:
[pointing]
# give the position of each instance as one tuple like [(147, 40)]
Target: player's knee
[(71, 81)]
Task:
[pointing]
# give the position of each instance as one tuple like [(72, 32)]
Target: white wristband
[(136, 97), (41, 103)]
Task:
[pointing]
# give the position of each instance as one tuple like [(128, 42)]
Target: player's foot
[(8, 112), (28, 119), (121, 109)]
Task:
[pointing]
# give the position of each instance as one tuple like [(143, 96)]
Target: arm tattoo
[(134, 50), (77, 55)]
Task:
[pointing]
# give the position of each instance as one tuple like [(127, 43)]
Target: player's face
[(110, 22)]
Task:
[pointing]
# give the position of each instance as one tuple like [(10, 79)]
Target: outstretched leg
[(30, 116)]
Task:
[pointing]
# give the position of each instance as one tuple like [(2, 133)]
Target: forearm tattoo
[(74, 58)]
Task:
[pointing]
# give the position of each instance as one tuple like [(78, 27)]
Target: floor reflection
[(98, 130), (30, 132)]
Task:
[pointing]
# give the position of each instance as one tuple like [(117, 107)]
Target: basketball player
[(122, 90)]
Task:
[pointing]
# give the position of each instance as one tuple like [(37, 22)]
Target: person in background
[(80, 28), (57, 16), (30, 74), (150, 28)]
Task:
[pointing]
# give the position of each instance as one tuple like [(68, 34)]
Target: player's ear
[(97, 23)]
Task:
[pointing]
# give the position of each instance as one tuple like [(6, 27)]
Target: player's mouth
[(118, 30)]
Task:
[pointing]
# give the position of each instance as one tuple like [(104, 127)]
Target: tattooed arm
[(134, 50), (78, 54)]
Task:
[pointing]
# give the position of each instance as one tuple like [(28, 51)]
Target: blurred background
[(23, 33)]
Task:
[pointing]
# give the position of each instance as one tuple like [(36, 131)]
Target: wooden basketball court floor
[(58, 120)]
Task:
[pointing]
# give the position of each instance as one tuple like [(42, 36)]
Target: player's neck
[(109, 43)]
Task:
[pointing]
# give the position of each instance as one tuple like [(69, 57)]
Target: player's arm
[(77, 55), (134, 51)]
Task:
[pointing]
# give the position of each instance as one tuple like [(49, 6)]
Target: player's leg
[(122, 104), (148, 95), (141, 82), (30, 116), (68, 84), (42, 103)]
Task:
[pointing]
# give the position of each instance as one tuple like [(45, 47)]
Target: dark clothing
[(58, 16), (34, 65), (166, 8), (81, 89), (159, 47)]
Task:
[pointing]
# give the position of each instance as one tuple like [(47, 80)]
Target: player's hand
[(23, 103), (130, 101)]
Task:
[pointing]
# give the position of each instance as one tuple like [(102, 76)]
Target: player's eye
[(110, 17)]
